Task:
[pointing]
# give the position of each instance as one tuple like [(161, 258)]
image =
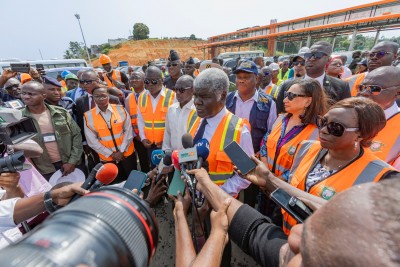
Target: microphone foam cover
[(203, 148), (167, 160), (107, 173), (187, 141), (156, 156), (175, 159)]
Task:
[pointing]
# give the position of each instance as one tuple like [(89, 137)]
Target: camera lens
[(109, 227)]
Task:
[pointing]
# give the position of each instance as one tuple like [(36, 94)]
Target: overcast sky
[(28, 26)]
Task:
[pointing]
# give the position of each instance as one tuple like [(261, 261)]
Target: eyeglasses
[(373, 89), (316, 55), (152, 81), (292, 96), (266, 73), (100, 97), (182, 90), (302, 63), (379, 54), (86, 81), (13, 87), (172, 64), (334, 128)]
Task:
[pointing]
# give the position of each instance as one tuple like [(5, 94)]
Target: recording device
[(14, 163), (39, 67), (292, 205), (165, 166), (14, 128), (156, 156), (135, 180), (14, 104), (239, 158), (20, 67), (105, 176), (109, 227)]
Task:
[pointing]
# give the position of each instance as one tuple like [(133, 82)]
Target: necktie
[(200, 131), (137, 96), (92, 104)]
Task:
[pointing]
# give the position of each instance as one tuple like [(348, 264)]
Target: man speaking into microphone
[(213, 122)]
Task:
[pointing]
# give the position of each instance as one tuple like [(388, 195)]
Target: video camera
[(14, 129)]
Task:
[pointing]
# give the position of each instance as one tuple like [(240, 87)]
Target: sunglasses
[(182, 90), (173, 65), (302, 63), (316, 55), (373, 89), (334, 128), (266, 73), (86, 81), (379, 54), (152, 81), (292, 96)]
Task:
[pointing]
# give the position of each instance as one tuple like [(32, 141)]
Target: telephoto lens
[(110, 227)]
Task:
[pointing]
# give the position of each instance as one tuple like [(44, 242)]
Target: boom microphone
[(106, 175)]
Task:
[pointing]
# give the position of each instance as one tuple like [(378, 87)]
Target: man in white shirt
[(178, 114), (382, 85)]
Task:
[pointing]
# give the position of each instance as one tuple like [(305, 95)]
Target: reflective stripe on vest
[(354, 82), (192, 120), (364, 169), (154, 123), (283, 161), (386, 144), (131, 107), (97, 125), (272, 90)]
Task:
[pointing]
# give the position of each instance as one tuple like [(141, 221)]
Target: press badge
[(50, 137)]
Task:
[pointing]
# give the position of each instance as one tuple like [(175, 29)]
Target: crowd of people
[(313, 126)]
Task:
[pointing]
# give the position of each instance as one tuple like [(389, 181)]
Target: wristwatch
[(48, 202)]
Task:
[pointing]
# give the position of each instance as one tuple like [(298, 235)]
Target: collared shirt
[(320, 79), (346, 73), (79, 92), (235, 184), (90, 97), (243, 108), (176, 125), (154, 102), (93, 141)]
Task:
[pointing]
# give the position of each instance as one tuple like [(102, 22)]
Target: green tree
[(75, 50), (140, 31), (192, 37)]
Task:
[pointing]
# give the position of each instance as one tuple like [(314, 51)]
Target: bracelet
[(48, 203)]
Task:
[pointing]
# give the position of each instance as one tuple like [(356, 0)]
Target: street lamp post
[(83, 36)]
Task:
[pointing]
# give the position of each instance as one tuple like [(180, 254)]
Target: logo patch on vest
[(376, 146), (292, 150), (264, 100), (327, 193)]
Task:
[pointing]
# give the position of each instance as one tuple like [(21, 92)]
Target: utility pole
[(83, 36)]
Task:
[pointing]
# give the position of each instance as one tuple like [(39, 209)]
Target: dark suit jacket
[(82, 105), (335, 90)]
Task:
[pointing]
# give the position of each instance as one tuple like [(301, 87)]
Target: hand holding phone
[(135, 180), (239, 158)]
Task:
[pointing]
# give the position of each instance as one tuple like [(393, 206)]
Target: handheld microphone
[(89, 180), (156, 156), (203, 150), (189, 153), (165, 166), (175, 159), (187, 140), (105, 176)]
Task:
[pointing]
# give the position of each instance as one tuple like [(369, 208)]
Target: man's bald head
[(393, 47), (185, 81), (89, 75), (136, 74), (386, 76), (154, 72), (359, 227), (34, 86)]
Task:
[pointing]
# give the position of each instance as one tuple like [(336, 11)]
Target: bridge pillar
[(300, 44), (353, 40), (308, 41), (333, 42), (377, 36), (284, 46)]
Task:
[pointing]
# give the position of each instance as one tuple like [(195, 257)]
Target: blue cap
[(64, 73), (247, 66), (52, 81)]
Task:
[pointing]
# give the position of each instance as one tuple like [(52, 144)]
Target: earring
[(355, 144), (302, 116)]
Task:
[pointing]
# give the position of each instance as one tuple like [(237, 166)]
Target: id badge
[(49, 138)]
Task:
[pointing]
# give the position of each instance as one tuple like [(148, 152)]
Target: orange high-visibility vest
[(364, 169), (131, 107), (386, 144), (229, 129), (116, 75), (154, 123), (354, 82), (272, 90), (196, 72), (284, 160), (106, 136)]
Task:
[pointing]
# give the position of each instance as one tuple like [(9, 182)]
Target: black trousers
[(149, 151), (142, 155), (125, 167)]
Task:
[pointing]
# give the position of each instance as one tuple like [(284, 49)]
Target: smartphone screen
[(177, 184), (20, 67), (135, 180), (39, 67), (244, 163), (284, 200)]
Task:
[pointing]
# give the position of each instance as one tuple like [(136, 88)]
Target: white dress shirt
[(154, 103), (320, 79), (176, 125), (243, 109), (235, 184), (389, 112), (346, 73), (93, 141)]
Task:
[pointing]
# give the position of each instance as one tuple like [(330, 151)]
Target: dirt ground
[(140, 52)]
